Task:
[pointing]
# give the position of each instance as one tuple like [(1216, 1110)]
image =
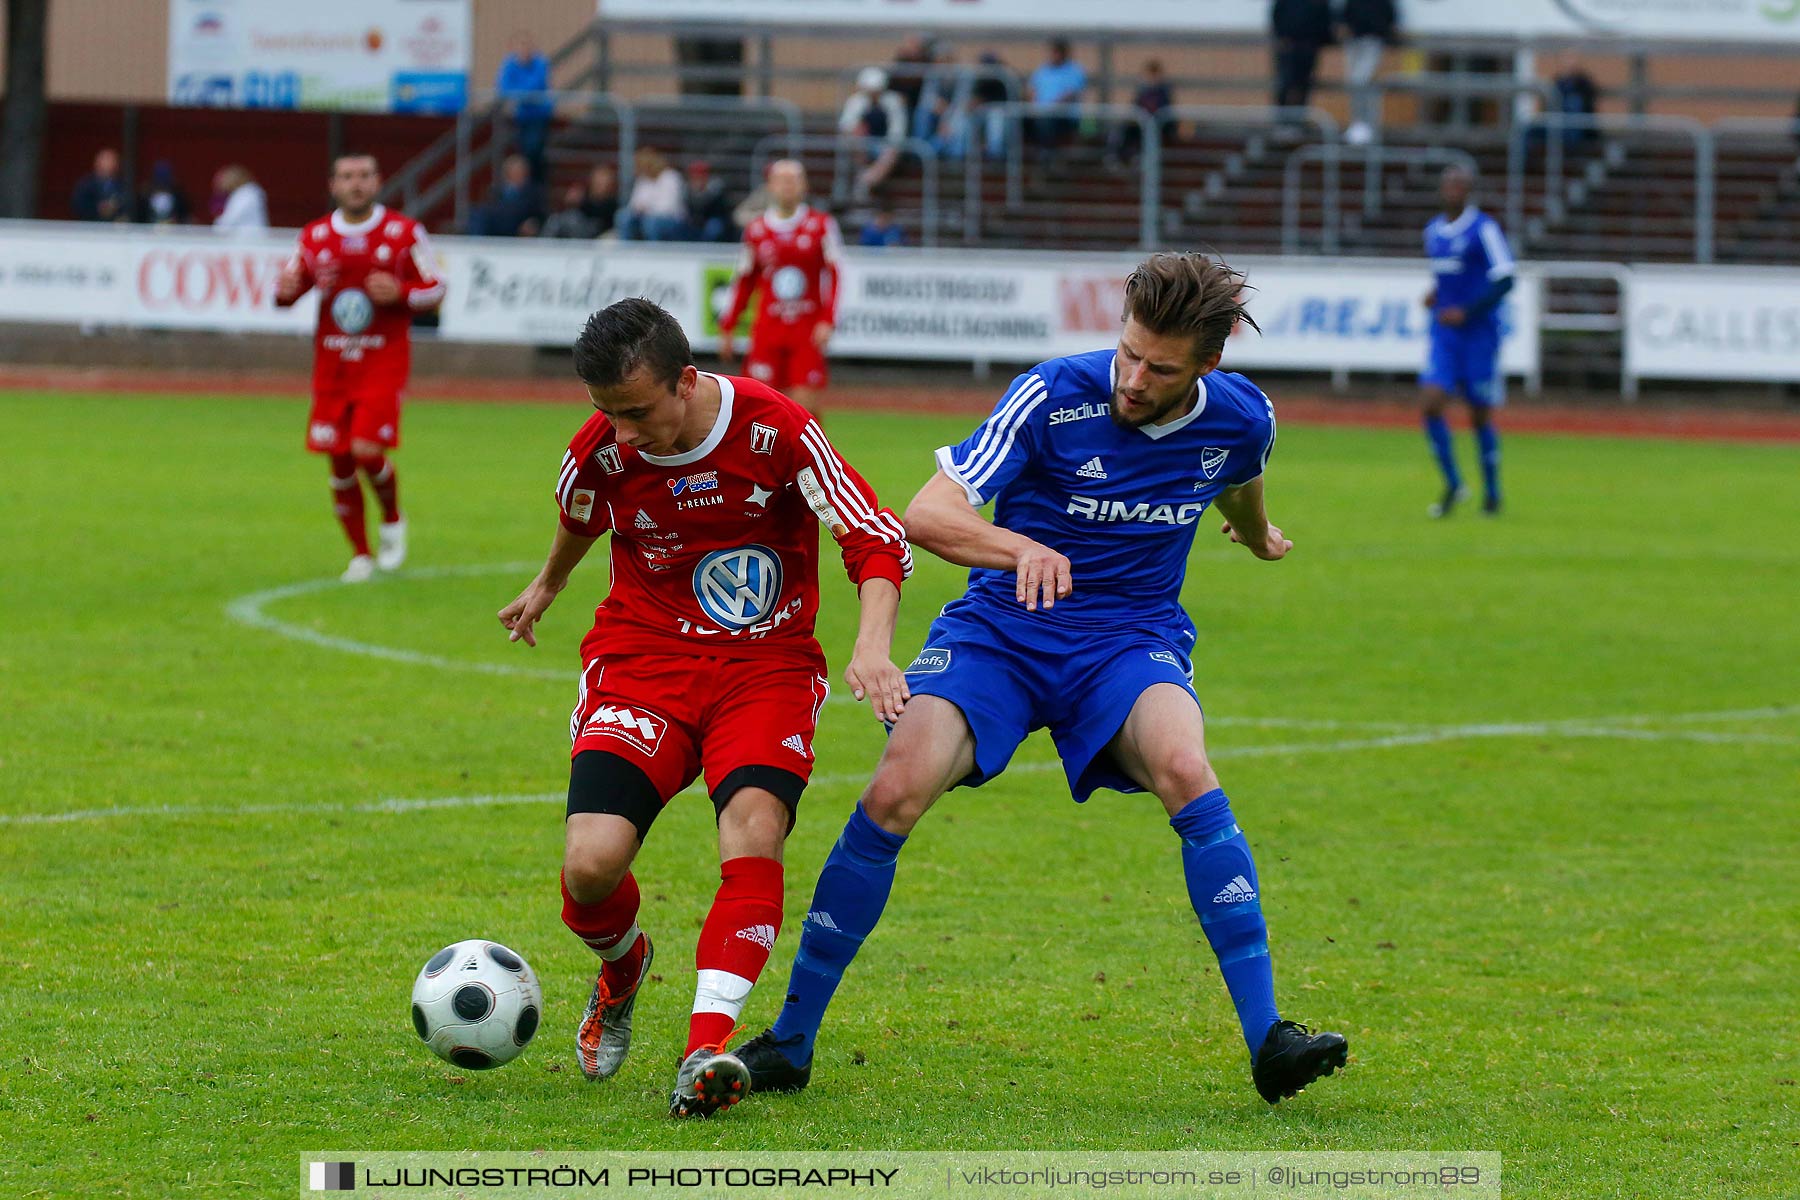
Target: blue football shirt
[(1467, 255), (1122, 504)]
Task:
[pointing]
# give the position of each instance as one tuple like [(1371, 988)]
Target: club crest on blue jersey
[(1211, 459), (738, 588)]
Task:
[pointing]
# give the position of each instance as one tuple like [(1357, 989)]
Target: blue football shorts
[(1466, 362), (1012, 673)]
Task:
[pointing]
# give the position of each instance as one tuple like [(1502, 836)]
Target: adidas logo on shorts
[(762, 935), (797, 744), (1238, 891), (1091, 469)]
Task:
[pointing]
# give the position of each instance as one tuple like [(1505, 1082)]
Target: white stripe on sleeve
[(992, 431), (1500, 259)]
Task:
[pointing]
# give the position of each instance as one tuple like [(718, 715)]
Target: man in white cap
[(874, 117)]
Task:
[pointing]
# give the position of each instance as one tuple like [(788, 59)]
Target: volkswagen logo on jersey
[(789, 283), (351, 310), (738, 588)]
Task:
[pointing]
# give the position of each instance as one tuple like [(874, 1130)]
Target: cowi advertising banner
[(1713, 323), (62, 273), (364, 55), (1688, 20)]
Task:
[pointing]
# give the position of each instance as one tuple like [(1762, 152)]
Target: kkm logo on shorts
[(738, 588), (930, 661), (642, 729)]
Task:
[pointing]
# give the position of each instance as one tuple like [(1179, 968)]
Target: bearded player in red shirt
[(701, 659), (374, 270), (791, 256)]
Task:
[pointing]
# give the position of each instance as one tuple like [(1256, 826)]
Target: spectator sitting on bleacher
[(657, 211), (709, 208), (1057, 80), (246, 210), (515, 205), (161, 201), (523, 72), (101, 195), (571, 220), (881, 231), (1153, 95), (981, 119), (602, 200), (908, 72), (874, 117)]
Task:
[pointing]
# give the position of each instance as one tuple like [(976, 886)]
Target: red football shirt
[(794, 264), (716, 551), (357, 340)]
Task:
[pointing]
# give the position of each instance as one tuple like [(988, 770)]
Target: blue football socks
[(1437, 432), (1487, 438), (1221, 883), (852, 890)]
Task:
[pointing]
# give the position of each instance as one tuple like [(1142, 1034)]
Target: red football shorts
[(677, 717), (784, 356), (364, 411)]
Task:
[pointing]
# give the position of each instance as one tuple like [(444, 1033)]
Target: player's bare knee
[(896, 798), (593, 871), (1182, 774), (754, 822)]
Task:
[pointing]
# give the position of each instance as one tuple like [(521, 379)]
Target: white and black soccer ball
[(476, 1004)]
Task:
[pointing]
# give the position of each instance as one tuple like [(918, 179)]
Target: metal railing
[(1016, 113), (1333, 156), (1556, 124)]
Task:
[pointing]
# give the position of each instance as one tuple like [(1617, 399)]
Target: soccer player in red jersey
[(791, 256), (373, 268), (701, 660)]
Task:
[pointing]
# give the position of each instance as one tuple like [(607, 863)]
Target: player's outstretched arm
[(523, 613), (872, 674), (1247, 522), (941, 519)]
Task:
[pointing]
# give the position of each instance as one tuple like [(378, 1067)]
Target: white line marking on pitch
[(1574, 728), (249, 610)]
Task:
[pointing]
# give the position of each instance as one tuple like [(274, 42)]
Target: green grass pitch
[(1522, 794)]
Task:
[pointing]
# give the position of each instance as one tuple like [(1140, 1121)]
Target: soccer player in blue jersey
[(1099, 466), (1474, 270)]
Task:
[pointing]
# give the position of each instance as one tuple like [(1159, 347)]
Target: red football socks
[(610, 930), (734, 946), (386, 486), (347, 502)]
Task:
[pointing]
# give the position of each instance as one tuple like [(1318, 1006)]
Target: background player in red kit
[(791, 256), (702, 658), (373, 269)]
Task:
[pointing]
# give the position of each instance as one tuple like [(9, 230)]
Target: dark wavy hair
[(622, 337), (1187, 292)]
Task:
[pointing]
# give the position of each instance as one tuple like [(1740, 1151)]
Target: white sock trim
[(722, 992), (618, 949)]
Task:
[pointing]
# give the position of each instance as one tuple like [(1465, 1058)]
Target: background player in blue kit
[(1100, 466), (1474, 270)]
